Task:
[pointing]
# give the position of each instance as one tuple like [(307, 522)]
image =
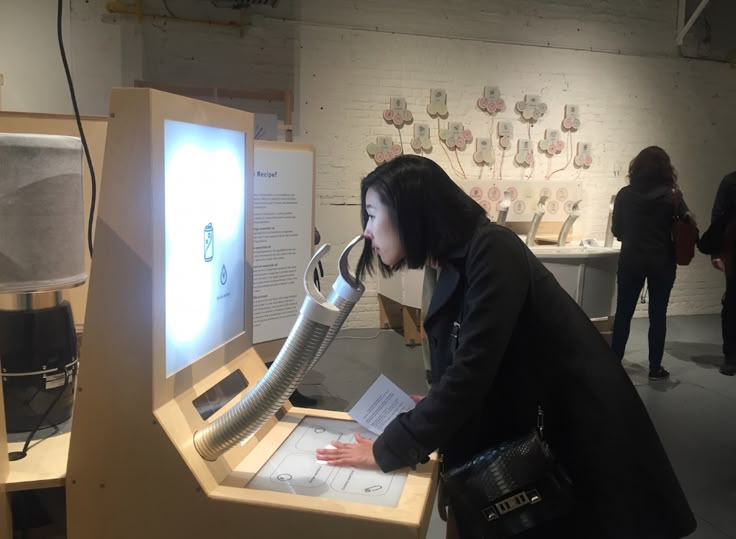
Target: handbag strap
[(532, 296), (674, 203), (676, 196), (540, 421)]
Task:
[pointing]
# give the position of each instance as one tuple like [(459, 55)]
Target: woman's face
[(381, 231)]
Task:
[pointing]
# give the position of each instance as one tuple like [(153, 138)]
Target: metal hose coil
[(261, 403), (315, 319), (345, 293)]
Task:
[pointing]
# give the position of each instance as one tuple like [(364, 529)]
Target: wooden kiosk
[(6, 524), (133, 469)]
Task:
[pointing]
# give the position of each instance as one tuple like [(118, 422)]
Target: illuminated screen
[(204, 192)]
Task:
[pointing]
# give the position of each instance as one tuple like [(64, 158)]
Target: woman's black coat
[(504, 336)]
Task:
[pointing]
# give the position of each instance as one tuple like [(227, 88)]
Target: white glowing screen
[(204, 171)]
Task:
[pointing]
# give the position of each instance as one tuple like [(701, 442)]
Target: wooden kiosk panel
[(6, 524), (133, 469)]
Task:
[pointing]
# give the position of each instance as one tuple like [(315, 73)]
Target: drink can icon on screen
[(209, 242)]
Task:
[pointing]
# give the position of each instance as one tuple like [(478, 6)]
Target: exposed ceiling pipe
[(684, 29), (115, 6)]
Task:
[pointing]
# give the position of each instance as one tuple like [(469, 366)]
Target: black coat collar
[(450, 273)]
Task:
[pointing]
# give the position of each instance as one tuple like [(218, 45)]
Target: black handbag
[(509, 489)]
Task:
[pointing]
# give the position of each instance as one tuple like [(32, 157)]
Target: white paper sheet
[(383, 401)]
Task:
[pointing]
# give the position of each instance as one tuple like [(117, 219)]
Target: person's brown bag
[(685, 234)]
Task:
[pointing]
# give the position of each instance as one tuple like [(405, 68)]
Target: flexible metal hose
[(316, 317), (538, 214), (346, 291), (503, 209), (567, 225)]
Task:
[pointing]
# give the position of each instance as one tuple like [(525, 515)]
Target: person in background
[(642, 221), (719, 241), (504, 338)]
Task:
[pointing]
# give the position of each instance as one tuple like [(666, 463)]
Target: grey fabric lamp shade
[(42, 239)]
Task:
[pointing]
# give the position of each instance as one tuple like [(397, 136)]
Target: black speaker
[(39, 361)]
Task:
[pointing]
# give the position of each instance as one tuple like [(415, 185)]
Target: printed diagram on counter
[(584, 157), (491, 102), (531, 108), (398, 114), (437, 103), (383, 150), (456, 136), (572, 118), (421, 141), (294, 467), (552, 143)]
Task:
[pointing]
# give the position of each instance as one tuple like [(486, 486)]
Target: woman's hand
[(359, 454), (416, 398), (718, 263)]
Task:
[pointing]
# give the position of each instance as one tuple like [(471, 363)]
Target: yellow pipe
[(114, 6)]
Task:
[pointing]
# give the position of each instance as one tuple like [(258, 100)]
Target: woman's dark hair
[(652, 167), (432, 214)]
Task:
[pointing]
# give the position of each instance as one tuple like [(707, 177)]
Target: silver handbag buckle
[(512, 503)]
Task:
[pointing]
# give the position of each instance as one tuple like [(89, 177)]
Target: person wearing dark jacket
[(642, 221), (504, 338), (719, 241)]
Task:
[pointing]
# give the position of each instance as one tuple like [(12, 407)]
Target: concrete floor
[(694, 411)]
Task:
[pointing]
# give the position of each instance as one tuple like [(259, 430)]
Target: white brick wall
[(343, 72)]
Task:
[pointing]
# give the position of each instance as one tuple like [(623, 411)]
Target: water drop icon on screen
[(223, 275)]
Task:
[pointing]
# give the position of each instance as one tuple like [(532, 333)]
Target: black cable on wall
[(79, 126)]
